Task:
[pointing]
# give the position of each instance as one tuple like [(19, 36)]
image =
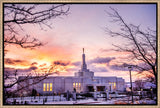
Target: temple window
[(44, 86), (50, 86), (73, 85), (114, 85), (76, 85), (47, 86), (79, 84)]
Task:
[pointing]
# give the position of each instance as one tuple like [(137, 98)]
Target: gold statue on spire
[(83, 50)]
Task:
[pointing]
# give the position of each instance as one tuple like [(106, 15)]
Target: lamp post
[(130, 68), (107, 94), (142, 92), (151, 92), (95, 94)]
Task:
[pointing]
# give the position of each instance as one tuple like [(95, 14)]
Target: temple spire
[(84, 66)]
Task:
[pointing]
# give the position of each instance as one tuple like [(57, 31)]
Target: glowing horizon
[(82, 28)]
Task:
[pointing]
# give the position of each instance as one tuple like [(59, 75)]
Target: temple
[(83, 81)]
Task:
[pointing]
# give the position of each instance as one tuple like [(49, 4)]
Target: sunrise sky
[(83, 27)]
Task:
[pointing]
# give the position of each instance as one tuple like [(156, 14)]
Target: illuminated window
[(50, 86), (47, 86), (114, 85), (73, 85), (76, 85), (44, 86), (79, 84)]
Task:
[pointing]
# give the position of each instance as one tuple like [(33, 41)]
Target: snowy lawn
[(62, 100)]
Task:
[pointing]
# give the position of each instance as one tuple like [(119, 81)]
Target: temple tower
[(84, 66), (84, 72)]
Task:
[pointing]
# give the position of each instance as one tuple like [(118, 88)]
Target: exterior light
[(95, 90), (151, 88), (141, 89), (130, 68)]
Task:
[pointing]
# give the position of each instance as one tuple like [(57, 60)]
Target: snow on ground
[(62, 100)]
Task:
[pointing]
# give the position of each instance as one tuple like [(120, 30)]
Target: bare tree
[(23, 83), (17, 15), (140, 44), (139, 84)]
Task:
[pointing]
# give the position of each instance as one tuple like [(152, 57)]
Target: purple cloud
[(61, 63), (10, 61), (97, 69), (78, 63), (12, 70), (101, 60), (124, 67), (118, 67)]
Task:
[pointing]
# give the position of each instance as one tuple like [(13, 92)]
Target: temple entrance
[(100, 88), (90, 89)]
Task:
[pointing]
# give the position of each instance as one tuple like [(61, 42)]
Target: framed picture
[(71, 53)]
